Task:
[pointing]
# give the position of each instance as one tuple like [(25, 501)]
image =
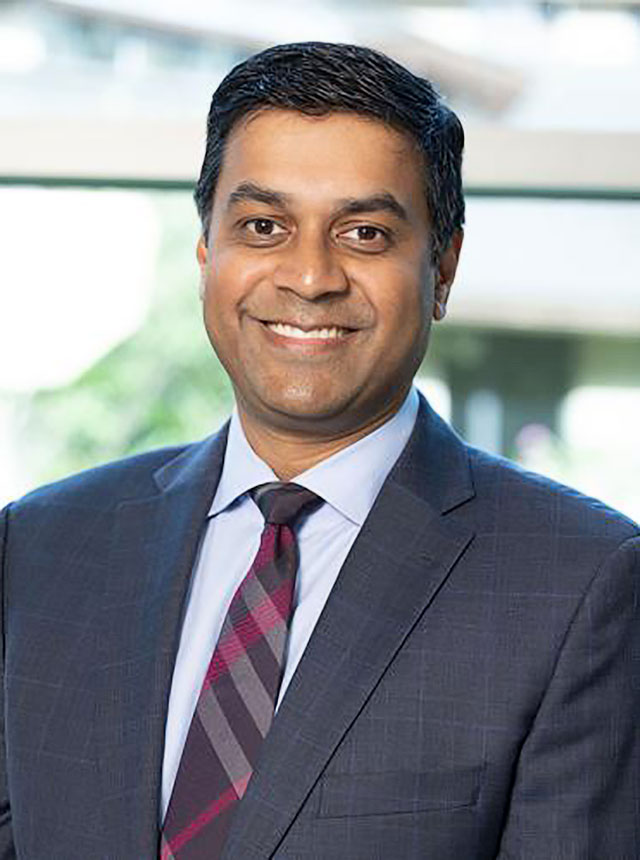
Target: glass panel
[(103, 352)]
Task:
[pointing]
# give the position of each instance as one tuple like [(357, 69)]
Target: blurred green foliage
[(162, 386)]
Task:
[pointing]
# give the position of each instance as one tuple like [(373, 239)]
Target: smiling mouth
[(292, 331)]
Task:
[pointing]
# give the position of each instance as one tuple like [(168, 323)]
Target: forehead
[(321, 158)]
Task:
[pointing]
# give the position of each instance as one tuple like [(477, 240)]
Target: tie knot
[(281, 503)]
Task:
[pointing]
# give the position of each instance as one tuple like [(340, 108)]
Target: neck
[(289, 453)]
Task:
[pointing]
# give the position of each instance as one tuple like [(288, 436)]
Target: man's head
[(332, 209), (318, 78)]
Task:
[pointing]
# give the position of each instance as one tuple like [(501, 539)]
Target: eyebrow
[(258, 194), (382, 201)]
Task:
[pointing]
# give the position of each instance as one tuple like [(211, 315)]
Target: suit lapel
[(154, 547), (396, 566)]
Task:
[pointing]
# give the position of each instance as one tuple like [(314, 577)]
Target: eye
[(263, 227), (367, 237)]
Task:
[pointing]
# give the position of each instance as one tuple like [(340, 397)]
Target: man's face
[(318, 279)]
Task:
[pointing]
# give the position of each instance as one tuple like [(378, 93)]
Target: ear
[(201, 256), (447, 266)]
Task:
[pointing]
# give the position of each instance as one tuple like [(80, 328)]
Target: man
[(455, 676)]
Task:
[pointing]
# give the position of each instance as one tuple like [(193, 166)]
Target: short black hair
[(319, 78)]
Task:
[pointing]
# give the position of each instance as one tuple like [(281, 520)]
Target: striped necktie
[(237, 701)]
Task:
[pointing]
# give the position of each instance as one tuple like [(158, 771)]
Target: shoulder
[(513, 501), (102, 487)]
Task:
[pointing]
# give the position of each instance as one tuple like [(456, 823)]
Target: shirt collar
[(349, 481)]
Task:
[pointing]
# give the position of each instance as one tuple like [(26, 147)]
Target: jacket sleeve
[(576, 793), (7, 850)]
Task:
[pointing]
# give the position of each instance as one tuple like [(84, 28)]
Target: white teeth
[(293, 331)]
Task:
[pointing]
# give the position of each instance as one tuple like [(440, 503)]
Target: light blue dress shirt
[(349, 482)]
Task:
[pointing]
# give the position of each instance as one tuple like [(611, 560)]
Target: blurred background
[(102, 122)]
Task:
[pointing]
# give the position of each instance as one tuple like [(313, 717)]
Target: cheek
[(219, 314), (237, 262), (223, 287), (403, 307)]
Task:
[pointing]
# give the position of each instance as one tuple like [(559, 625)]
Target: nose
[(309, 267)]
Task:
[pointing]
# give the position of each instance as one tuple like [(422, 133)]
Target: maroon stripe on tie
[(238, 714), (219, 805), (248, 629)]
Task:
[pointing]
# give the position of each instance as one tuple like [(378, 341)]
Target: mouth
[(302, 340), (317, 333)]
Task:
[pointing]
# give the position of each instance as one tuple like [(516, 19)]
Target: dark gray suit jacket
[(471, 690)]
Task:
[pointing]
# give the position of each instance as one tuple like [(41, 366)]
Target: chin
[(305, 401)]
